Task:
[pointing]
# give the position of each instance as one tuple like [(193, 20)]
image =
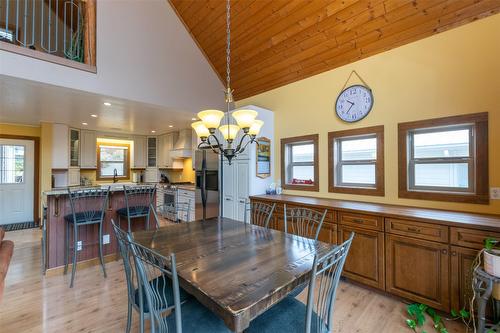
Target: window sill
[(312, 188), (358, 190), (4, 46), (446, 196)]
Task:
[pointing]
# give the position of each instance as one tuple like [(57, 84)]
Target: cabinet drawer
[(434, 232), (470, 237), (362, 221)]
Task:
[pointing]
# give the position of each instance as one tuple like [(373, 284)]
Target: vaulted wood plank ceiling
[(276, 42)]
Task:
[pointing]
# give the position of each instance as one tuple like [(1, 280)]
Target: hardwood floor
[(34, 303)]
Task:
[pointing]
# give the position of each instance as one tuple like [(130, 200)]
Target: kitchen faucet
[(115, 175)]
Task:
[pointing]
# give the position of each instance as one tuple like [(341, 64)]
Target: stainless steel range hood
[(182, 147)]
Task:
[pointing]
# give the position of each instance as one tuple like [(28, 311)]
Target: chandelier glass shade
[(206, 128)]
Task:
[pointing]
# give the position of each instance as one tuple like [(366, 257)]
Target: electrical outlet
[(495, 193), (79, 245), (105, 239)]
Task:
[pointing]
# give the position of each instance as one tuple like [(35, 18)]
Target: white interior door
[(17, 163)]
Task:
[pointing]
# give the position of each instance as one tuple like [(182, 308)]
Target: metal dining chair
[(303, 222), (260, 213), (135, 296), (44, 238), (139, 202), (289, 315), (88, 207)]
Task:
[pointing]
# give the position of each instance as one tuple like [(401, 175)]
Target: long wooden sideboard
[(423, 255)]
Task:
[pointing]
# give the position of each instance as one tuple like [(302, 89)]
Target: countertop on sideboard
[(445, 217)]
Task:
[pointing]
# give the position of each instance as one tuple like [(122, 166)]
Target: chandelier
[(211, 119)]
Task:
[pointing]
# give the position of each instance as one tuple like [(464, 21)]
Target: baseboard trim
[(81, 264)]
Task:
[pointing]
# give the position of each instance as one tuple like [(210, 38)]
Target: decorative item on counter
[(279, 189), (271, 189)]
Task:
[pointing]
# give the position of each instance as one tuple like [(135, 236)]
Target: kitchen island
[(58, 206)]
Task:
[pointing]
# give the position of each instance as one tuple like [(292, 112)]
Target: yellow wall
[(452, 73), (13, 129)]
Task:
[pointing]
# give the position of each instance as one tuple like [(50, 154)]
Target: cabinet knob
[(453, 253), (228, 199), (444, 251)]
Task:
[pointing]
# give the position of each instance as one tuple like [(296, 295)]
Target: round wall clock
[(354, 103)]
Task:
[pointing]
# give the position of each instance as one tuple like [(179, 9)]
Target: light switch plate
[(79, 245), (105, 239), (495, 193)]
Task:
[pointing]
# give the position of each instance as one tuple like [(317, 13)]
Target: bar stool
[(138, 203), (87, 207)]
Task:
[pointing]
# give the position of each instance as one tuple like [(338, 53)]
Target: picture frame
[(263, 160)]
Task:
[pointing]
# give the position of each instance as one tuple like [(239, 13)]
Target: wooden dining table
[(237, 270)]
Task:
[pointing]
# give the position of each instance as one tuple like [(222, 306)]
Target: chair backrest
[(128, 261), (139, 196), (91, 202), (325, 278), (153, 271), (261, 213), (303, 222)]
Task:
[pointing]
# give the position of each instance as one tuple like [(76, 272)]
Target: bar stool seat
[(83, 217), (138, 203), (135, 211)]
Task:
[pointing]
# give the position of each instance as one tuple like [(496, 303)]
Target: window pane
[(107, 168), (303, 153), (358, 174), (359, 149), (115, 154), (442, 175), (11, 164), (303, 172), (442, 144)]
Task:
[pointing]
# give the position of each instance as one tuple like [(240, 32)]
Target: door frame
[(36, 171)]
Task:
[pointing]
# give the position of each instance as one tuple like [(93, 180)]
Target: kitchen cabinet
[(408, 258), (152, 150), (365, 262), (194, 146), (236, 189), (461, 276), (165, 146), (60, 146), (88, 151), (328, 233), (140, 149), (151, 175), (73, 176), (74, 148), (229, 189)]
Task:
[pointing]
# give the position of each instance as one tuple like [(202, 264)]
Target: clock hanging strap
[(360, 78)]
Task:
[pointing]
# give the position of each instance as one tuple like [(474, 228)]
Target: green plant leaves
[(411, 324)]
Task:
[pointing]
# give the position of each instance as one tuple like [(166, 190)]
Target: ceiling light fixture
[(93, 115), (107, 103), (153, 131), (194, 119), (170, 126), (210, 119), (84, 124)]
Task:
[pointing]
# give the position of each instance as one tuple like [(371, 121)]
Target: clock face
[(354, 103)]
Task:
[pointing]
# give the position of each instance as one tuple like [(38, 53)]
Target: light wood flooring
[(34, 303)]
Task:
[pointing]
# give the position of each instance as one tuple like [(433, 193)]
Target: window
[(356, 161), (299, 163), (113, 157), (12, 164), (445, 159)]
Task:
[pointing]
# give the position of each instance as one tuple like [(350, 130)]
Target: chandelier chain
[(228, 45)]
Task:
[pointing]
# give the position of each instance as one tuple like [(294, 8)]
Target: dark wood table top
[(445, 217), (235, 269)]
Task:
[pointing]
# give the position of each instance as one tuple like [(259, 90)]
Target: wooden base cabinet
[(365, 262), (418, 270), (461, 276)]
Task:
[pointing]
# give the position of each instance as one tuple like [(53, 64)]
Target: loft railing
[(60, 30)]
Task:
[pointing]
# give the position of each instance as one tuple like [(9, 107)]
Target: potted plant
[(491, 259)]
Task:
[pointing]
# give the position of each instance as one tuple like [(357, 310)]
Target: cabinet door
[(418, 270), (152, 151), (328, 233), (60, 149), (228, 190), (140, 148), (74, 147), (88, 155), (461, 276), (365, 261), (241, 179)]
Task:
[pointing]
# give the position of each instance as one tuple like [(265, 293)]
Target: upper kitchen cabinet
[(140, 155), (152, 143), (88, 149), (60, 151), (74, 148), (165, 146)]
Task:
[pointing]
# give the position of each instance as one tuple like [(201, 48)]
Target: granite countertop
[(114, 187)]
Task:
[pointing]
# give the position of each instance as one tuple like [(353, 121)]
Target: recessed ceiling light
[(153, 131), (84, 124), (93, 115), (170, 126), (107, 103), (193, 118)]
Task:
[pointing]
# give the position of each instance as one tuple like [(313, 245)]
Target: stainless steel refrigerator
[(207, 184)]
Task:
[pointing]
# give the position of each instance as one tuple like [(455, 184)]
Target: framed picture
[(263, 157)]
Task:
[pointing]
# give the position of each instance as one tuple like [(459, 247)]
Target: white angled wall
[(144, 54)]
